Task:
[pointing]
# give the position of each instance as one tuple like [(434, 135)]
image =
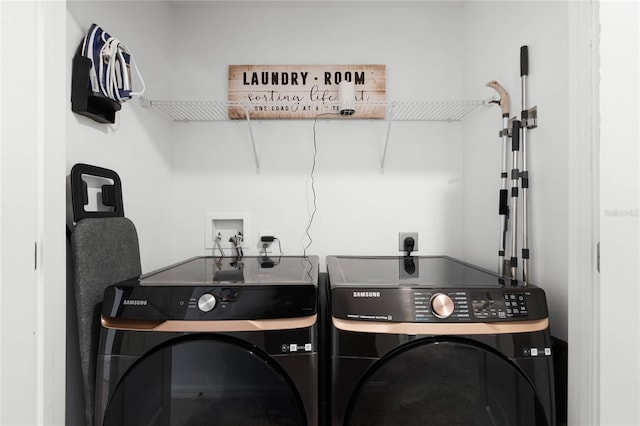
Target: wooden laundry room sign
[(304, 91)]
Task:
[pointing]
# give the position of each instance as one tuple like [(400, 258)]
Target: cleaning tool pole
[(515, 177), (524, 181), (503, 201)]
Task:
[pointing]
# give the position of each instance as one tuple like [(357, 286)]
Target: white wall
[(494, 33), (359, 210), (139, 146)]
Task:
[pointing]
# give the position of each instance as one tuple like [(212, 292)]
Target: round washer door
[(445, 383), (204, 382)]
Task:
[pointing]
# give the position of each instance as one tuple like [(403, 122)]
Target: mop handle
[(524, 181), (503, 202), (524, 73), (515, 176), (524, 61)]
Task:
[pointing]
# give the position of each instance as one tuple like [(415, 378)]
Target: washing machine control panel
[(439, 305), (500, 306)]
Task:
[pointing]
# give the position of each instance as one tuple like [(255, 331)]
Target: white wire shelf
[(212, 111), (187, 111)]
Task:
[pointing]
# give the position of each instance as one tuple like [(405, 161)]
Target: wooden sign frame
[(304, 91)]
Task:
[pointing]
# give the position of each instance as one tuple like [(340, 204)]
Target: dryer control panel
[(439, 305), (241, 302), (219, 288)]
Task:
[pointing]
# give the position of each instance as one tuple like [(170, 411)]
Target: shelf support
[(390, 117), (253, 142)]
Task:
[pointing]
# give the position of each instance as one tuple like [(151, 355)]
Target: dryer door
[(205, 382), (445, 383)]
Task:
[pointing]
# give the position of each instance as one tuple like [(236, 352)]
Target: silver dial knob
[(207, 302), (441, 305)]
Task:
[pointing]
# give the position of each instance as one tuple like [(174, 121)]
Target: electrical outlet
[(402, 236), (265, 245)]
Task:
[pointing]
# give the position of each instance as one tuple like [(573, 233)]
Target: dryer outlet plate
[(402, 236)]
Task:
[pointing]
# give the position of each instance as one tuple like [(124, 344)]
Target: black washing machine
[(211, 341), (436, 341)]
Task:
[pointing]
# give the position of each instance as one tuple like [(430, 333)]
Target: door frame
[(582, 219), (33, 145), (619, 186)]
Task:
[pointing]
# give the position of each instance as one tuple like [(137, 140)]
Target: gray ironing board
[(104, 251)]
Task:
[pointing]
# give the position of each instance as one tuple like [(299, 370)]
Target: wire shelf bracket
[(203, 111)]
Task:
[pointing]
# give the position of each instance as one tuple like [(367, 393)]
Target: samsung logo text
[(366, 294), (134, 302)]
